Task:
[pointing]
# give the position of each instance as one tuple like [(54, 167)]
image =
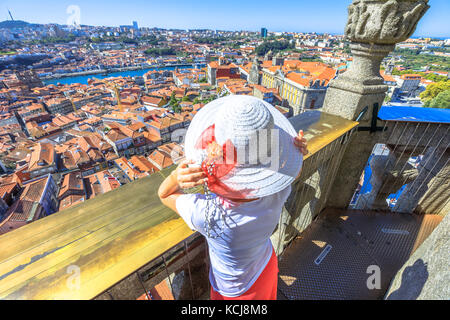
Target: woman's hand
[(182, 177), (301, 143), (189, 177)]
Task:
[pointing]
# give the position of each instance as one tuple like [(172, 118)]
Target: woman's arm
[(302, 145), (182, 177)]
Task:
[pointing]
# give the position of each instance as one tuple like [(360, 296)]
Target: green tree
[(173, 100), (275, 46), (433, 90), (160, 52), (177, 108), (442, 100), (412, 59), (209, 40)]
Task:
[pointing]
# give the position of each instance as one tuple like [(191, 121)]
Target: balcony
[(125, 243)]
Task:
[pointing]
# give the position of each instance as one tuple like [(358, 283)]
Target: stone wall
[(426, 275)]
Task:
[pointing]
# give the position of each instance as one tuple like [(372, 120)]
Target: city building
[(409, 83), (263, 33), (160, 159), (99, 183), (37, 200), (60, 105), (72, 190), (302, 84), (221, 70), (42, 160)]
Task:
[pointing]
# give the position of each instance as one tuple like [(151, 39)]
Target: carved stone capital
[(363, 76), (383, 21)]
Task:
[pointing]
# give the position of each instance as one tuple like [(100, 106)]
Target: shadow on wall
[(413, 280)]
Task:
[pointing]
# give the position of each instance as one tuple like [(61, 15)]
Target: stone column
[(373, 28), (429, 193), (389, 173)]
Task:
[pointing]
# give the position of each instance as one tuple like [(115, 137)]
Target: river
[(83, 79)]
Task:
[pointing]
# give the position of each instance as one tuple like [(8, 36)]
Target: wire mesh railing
[(408, 171), (179, 273), (310, 191)]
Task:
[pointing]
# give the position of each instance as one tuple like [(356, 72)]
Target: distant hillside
[(9, 24)]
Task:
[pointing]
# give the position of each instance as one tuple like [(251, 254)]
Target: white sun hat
[(264, 160)]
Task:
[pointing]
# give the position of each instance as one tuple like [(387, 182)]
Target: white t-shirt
[(243, 250)]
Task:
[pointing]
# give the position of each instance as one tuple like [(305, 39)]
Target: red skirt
[(264, 288)]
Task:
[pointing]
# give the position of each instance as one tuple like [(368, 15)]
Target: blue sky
[(276, 15)]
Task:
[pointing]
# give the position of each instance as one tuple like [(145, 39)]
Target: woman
[(246, 154)]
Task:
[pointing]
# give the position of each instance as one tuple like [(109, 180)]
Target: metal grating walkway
[(330, 259)]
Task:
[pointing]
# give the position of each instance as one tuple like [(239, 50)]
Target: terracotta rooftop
[(142, 164), (128, 168), (160, 292), (22, 211), (33, 190), (150, 100), (115, 135), (100, 182), (70, 201), (7, 188), (160, 160), (172, 149), (387, 77), (71, 182), (43, 155)]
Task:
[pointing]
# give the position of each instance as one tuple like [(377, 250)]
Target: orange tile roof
[(387, 77), (151, 100), (7, 188), (33, 190), (303, 72), (128, 168), (71, 182), (172, 148), (414, 76), (115, 135), (160, 160), (160, 292), (142, 164), (42, 155), (70, 201), (20, 211), (101, 182)]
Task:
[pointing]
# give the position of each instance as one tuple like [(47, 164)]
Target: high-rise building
[(263, 33), (135, 25)]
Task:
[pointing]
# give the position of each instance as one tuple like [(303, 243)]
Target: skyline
[(328, 16)]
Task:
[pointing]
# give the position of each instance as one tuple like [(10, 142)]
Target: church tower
[(268, 56), (253, 77), (278, 60), (390, 67)]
